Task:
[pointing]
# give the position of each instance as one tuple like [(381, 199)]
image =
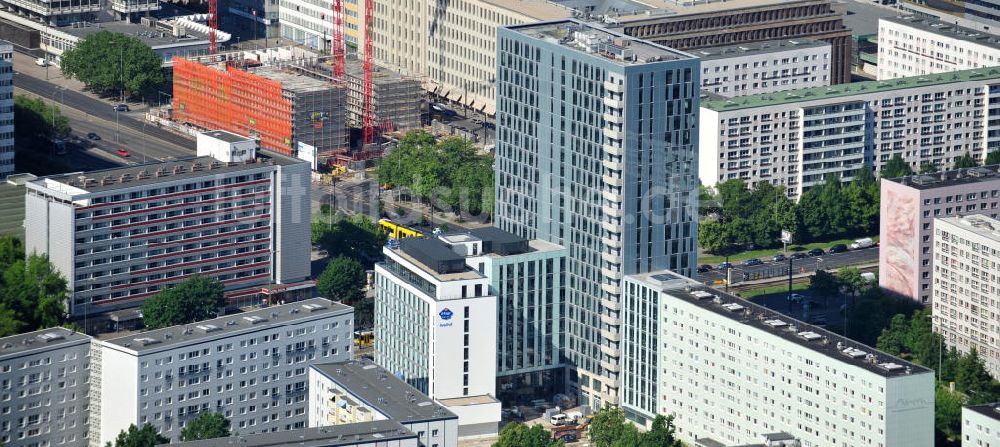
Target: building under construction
[(279, 107)]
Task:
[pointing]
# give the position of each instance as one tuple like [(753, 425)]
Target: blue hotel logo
[(446, 314)]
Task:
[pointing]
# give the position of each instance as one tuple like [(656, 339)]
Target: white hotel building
[(966, 291), (731, 371), (798, 138), (913, 46), (44, 383), (252, 367)]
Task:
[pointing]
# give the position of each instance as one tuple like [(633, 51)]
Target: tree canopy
[(343, 279), (449, 173), (103, 60), (964, 161), (196, 298), (356, 237), (33, 117), (896, 167), (517, 434), (992, 158), (32, 293), (146, 436), (207, 425), (609, 428)]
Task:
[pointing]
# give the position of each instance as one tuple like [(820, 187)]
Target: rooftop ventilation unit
[(146, 341), (50, 336), (206, 328), (253, 319), (854, 353), (701, 294), (313, 307)]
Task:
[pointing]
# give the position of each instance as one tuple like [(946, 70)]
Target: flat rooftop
[(954, 177), (537, 9), (862, 18), (227, 136), (587, 38), (151, 173), (979, 224), (746, 312), (331, 436), (256, 320), (154, 37), (466, 273), (292, 81), (991, 411), (946, 29), (377, 388), (482, 399), (755, 48), (655, 9), (841, 91), (39, 341)]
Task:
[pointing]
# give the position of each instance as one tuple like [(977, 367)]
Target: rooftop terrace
[(587, 38), (849, 90), (781, 326)]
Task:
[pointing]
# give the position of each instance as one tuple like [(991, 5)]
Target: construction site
[(284, 97)]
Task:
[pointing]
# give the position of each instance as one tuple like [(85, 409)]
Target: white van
[(862, 243), (41, 62), (559, 419)]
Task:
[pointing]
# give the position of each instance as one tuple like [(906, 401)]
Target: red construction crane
[(337, 41), (368, 101), (213, 24)]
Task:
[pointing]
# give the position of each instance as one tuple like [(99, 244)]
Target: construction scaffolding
[(279, 107)]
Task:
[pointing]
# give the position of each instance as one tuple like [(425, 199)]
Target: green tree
[(343, 279), (146, 436), (661, 433), (929, 168), (9, 323), (896, 167), (823, 283), (892, 340), (992, 158), (517, 434), (947, 414), (35, 292), (357, 237), (105, 61), (851, 280), (608, 426), (972, 379), (34, 118), (964, 161), (207, 425), (196, 298)]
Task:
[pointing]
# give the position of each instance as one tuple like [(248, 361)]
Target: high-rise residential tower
[(596, 138)]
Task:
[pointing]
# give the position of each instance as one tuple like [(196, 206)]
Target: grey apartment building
[(121, 235), (595, 151), (44, 385)]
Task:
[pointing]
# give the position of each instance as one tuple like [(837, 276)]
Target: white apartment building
[(967, 285), (981, 425), (121, 235), (764, 67), (798, 138), (357, 392), (6, 109), (367, 434), (730, 371), (913, 46), (252, 367), (454, 49), (44, 388), (436, 328)]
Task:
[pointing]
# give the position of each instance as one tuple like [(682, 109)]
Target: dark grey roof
[(330, 436), (863, 18), (227, 136), (953, 177), (146, 174), (943, 28), (379, 389), (499, 241), (779, 325), (258, 320), (39, 341), (991, 411), (433, 253)]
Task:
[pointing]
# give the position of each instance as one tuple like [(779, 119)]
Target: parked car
[(121, 108), (778, 257), (93, 136), (839, 248), (796, 298), (817, 252), (704, 268), (123, 152), (752, 261), (725, 265), (41, 62), (799, 255)]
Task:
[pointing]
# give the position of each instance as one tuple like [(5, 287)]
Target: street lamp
[(59, 89)]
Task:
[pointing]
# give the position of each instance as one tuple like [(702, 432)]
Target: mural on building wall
[(899, 242)]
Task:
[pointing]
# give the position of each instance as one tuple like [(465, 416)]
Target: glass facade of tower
[(595, 151)]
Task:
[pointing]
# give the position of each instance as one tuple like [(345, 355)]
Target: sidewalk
[(25, 66)]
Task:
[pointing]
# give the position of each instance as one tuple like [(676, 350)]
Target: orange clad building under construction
[(280, 108)]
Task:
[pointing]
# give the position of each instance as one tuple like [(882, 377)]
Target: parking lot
[(769, 268)]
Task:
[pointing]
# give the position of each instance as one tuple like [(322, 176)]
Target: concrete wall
[(293, 233), (119, 391)]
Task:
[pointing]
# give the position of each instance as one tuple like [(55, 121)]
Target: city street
[(771, 269)]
